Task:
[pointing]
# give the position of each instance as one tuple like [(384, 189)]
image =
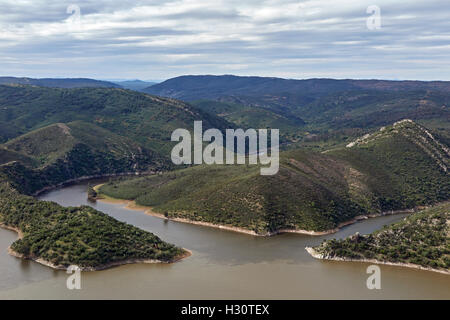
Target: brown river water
[(224, 265)]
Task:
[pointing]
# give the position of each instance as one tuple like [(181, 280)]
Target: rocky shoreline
[(320, 256), (98, 268)]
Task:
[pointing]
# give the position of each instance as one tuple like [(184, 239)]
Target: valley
[(333, 171)]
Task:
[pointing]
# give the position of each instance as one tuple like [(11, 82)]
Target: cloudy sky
[(120, 39)]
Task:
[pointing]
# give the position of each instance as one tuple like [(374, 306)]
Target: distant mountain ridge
[(59, 83), (313, 107), (68, 151), (191, 88)]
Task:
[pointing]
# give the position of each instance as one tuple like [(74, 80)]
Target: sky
[(157, 40)]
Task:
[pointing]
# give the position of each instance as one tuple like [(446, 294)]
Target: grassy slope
[(46, 149), (421, 239), (312, 191)]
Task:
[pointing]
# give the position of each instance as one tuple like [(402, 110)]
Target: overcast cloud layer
[(162, 39)]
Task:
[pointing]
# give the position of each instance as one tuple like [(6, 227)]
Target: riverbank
[(85, 178), (131, 204), (46, 263), (320, 256)]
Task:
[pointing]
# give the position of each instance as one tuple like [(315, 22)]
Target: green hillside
[(9, 156), (243, 116), (78, 236), (314, 113), (322, 104), (371, 109), (146, 119), (401, 167), (404, 164), (62, 152), (421, 239), (59, 82), (59, 153)]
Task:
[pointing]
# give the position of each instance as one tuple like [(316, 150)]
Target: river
[(224, 265)]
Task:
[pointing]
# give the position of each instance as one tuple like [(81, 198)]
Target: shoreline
[(319, 256), (46, 263), (131, 204), (85, 178)]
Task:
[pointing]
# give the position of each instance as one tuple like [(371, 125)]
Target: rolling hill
[(400, 167), (191, 88), (146, 119), (59, 237), (330, 111), (137, 85)]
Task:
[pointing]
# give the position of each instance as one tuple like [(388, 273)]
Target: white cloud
[(161, 39)]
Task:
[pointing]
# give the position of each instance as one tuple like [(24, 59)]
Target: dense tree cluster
[(76, 235), (421, 239)]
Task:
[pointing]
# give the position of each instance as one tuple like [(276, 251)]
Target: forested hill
[(61, 152), (212, 87), (421, 240), (316, 108), (82, 236), (400, 167)]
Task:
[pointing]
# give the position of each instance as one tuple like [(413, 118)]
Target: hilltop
[(401, 168), (56, 236)]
